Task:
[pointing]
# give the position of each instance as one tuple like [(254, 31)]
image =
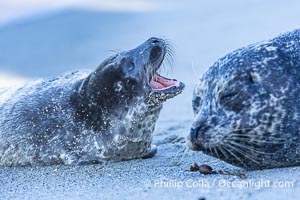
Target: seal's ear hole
[(131, 84)]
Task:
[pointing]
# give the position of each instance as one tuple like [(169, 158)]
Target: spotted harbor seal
[(80, 118), (247, 105)]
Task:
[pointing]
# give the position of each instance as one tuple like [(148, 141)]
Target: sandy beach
[(200, 33)]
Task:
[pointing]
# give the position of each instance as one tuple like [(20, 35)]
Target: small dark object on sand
[(206, 169), (194, 167)]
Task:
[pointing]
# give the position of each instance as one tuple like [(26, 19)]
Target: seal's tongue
[(159, 83)]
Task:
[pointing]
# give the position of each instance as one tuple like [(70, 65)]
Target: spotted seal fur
[(247, 105), (80, 118)]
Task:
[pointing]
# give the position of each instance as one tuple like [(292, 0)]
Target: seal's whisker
[(247, 147), (260, 137), (210, 150), (168, 61), (216, 152), (115, 50), (234, 155), (169, 45), (165, 68), (171, 60), (150, 66), (169, 57), (170, 50), (222, 151), (247, 155), (181, 153), (256, 141)]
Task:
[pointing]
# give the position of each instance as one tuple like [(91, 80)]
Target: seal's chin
[(163, 88)]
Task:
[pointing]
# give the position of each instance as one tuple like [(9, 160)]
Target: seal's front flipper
[(151, 152)]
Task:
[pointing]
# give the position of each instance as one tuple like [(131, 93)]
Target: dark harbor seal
[(247, 106), (80, 118)]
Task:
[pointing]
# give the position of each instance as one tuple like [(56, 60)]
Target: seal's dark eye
[(253, 77), (130, 65), (228, 97), (133, 88)]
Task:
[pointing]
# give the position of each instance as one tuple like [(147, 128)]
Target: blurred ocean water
[(68, 39), (200, 32)]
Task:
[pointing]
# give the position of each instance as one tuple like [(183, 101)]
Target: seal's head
[(123, 98), (245, 110), (127, 75)]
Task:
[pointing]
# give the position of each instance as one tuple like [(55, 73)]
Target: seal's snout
[(156, 41), (202, 136), (151, 55), (191, 140)]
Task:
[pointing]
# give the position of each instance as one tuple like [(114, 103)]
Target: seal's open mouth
[(163, 88), (160, 83)]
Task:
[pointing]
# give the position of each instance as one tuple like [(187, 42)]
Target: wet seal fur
[(247, 106), (81, 118)]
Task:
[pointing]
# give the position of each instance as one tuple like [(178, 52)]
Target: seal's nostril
[(193, 142), (155, 41), (193, 133)]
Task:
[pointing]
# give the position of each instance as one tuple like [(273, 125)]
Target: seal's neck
[(99, 113), (87, 111)]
